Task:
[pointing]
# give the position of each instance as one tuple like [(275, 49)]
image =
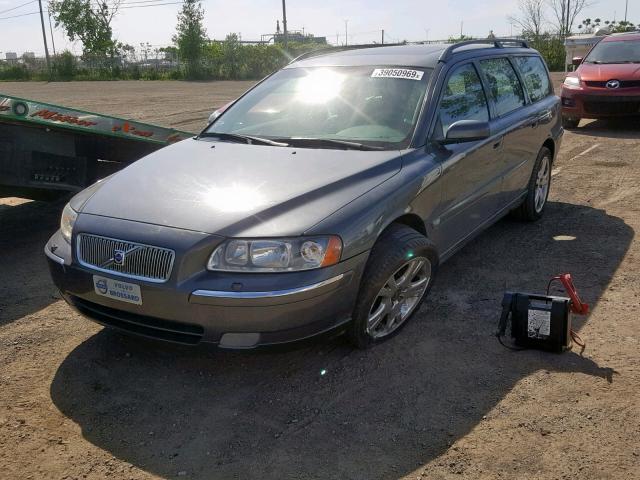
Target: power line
[(125, 2), (19, 6), (22, 15), (132, 6), (154, 5)]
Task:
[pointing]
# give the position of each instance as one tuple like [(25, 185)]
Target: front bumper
[(591, 102), (230, 310)]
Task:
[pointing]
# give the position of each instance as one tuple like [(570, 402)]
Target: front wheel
[(397, 277), (538, 188), (570, 123)]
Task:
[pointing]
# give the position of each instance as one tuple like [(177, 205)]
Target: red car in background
[(606, 83)]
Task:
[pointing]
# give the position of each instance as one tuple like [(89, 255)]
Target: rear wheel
[(397, 277), (533, 205), (570, 123)]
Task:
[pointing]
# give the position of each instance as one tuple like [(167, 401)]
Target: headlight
[(572, 82), (276, 255), (67, 220)]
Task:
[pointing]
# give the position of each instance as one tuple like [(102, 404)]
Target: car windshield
[(623, 51), (337, 107)]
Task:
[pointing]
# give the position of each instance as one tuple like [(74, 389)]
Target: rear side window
[(535, 77), (504, 87), (463, 99)]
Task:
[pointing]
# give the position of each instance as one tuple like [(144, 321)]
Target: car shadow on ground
[(623, 128), (325, 410), (25, 286)]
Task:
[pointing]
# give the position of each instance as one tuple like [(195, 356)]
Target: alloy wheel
[(542, 184), (399, 296)]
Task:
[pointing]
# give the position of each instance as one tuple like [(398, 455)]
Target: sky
[(410, 20)]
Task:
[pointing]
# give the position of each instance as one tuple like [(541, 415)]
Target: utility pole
[(383, 36), (53, 42), (44, 37), (626, 8), (568, 15), (461, 25), (284, 23), (346, 33)]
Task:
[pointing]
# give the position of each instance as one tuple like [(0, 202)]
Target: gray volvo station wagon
[(323, 199)]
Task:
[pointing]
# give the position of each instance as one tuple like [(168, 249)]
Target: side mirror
[(576, 61), (467, 131)]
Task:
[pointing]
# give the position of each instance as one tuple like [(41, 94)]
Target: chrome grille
[(142, 262)]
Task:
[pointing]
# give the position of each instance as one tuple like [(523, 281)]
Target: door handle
[(547, 115), (542, 118), (498, 144)]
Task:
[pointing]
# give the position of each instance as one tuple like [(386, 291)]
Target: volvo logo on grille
[(613, 84), (119, 257)]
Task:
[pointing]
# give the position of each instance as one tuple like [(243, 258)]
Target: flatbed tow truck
[(47, 151)]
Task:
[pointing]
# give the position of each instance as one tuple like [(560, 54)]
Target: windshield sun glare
[(319, 86)]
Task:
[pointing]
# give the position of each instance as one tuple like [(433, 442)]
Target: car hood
[(591, 72), (238, 190)]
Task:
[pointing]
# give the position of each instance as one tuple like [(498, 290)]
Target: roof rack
[(495, 42), (322, 51)]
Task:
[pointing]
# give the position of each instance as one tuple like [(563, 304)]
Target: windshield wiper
[(248, 139), (321, 142)]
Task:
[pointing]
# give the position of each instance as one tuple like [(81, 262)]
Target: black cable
[(515, 349)]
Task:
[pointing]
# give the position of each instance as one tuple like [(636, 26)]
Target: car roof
[(617, 37), (419, 55)]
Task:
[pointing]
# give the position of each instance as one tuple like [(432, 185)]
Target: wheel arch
[(416, 223), (410, 220), (551, 145)]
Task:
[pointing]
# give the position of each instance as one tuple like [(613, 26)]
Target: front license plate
[(117, 289)]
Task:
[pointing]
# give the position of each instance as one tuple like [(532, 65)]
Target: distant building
[(299, 37), (11, 56), (28, 55)]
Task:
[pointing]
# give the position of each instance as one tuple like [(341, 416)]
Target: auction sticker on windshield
[(117, 289), (397, 73)]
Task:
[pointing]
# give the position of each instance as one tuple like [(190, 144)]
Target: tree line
[(219, 60)]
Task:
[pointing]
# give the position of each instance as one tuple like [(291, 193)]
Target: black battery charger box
[(537, 321)]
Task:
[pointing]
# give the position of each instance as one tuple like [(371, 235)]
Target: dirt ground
[(181, 105), (443, 400)]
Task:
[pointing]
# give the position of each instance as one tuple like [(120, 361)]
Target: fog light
[(568, 102)]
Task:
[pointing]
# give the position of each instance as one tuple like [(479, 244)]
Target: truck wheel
[(570, 123), (538, 188), (396, 280)]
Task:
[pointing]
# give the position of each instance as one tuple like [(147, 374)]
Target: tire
[(570, 123), (398, 250), (532, 208)]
